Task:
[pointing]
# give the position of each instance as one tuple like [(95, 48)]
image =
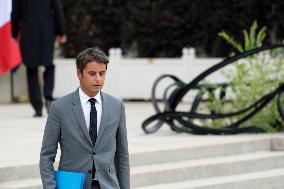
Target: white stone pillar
[(188, 58)]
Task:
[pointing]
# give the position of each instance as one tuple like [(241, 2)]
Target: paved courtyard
[(21, 134)]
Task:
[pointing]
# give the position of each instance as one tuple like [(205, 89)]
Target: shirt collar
[(85, 98)]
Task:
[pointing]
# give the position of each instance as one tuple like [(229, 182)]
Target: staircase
[(256, 163)]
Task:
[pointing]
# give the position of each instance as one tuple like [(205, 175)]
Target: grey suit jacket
[(66, 125)]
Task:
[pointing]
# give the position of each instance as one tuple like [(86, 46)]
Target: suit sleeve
[(49, 148), (16, 17), (58, 17), (122, 155)]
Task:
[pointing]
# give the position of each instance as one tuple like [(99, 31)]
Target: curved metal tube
[(185, 119)]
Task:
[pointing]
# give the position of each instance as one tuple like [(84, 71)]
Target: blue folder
[(69, 180)]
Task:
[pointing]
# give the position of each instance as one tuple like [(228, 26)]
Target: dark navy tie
[(93, 121)]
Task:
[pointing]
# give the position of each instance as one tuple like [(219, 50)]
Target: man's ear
[(79, 74)]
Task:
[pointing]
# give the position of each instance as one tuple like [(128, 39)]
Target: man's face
[(92, 78)]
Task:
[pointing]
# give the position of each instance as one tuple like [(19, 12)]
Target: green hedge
[(162, 28)]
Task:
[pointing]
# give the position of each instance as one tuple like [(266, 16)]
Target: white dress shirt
[(86, 106)]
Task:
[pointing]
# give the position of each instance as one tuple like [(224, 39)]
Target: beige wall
[(127, 78)]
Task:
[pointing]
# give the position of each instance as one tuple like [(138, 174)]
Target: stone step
[(165, 154), (205, 168), (161, 154), (268, 179), (185, 170), (20, 172), (22, 184)]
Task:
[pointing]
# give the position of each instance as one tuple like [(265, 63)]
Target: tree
[(162, 28)]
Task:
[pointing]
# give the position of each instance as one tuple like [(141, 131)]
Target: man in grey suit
[(90, 127)]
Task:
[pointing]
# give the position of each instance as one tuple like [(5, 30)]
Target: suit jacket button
[(90, 171)]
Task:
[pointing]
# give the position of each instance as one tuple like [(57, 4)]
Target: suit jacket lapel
[(105, 117), (78, 111)]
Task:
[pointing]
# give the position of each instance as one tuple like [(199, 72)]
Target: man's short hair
[(90, 55)]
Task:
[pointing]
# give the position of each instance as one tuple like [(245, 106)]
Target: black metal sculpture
[(183, 121)]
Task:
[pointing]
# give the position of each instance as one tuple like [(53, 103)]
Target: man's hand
[(61, 39)]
